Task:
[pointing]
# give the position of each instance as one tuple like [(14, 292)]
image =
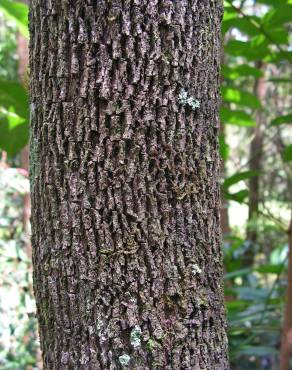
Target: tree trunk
[(125, 184), (286, 337), (255, 164)]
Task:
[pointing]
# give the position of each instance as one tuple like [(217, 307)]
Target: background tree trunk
[(255, 164), (125, 184)]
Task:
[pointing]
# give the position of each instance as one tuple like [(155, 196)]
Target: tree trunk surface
[(286, 335), (125, 184)]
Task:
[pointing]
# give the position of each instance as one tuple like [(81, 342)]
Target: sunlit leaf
[(229, 13), (244, 24), (246, 50), (240, 97), (278, 16), (242, 70), (273, 37), (18, 12), (272, 2), (236, 117)]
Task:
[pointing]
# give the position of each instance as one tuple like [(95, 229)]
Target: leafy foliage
[(236, 117), (256, 42), (18, 344), (14, 114), (18, 12)]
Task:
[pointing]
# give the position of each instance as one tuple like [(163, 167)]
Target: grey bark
[(125, 183)]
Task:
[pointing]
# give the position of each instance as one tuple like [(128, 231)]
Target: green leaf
[(243, 70), (237, 177), (229, 13), (278, 56), (236, 117), (282, 119), (13, 132), (238, 197), (12, 94), (224, 148), (278, 36), (272, 2), (278, 16), (287, 153), (269, 269), (246, 49), (233, 305), (18, 12), (244, 24), (273, 37), (240, 97)]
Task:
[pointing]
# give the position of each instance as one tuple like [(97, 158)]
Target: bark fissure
[(126, 225)]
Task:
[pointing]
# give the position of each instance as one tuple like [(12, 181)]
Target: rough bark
[(286, 337), (125, 183)]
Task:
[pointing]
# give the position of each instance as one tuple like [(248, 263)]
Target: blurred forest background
[(256, 151)]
